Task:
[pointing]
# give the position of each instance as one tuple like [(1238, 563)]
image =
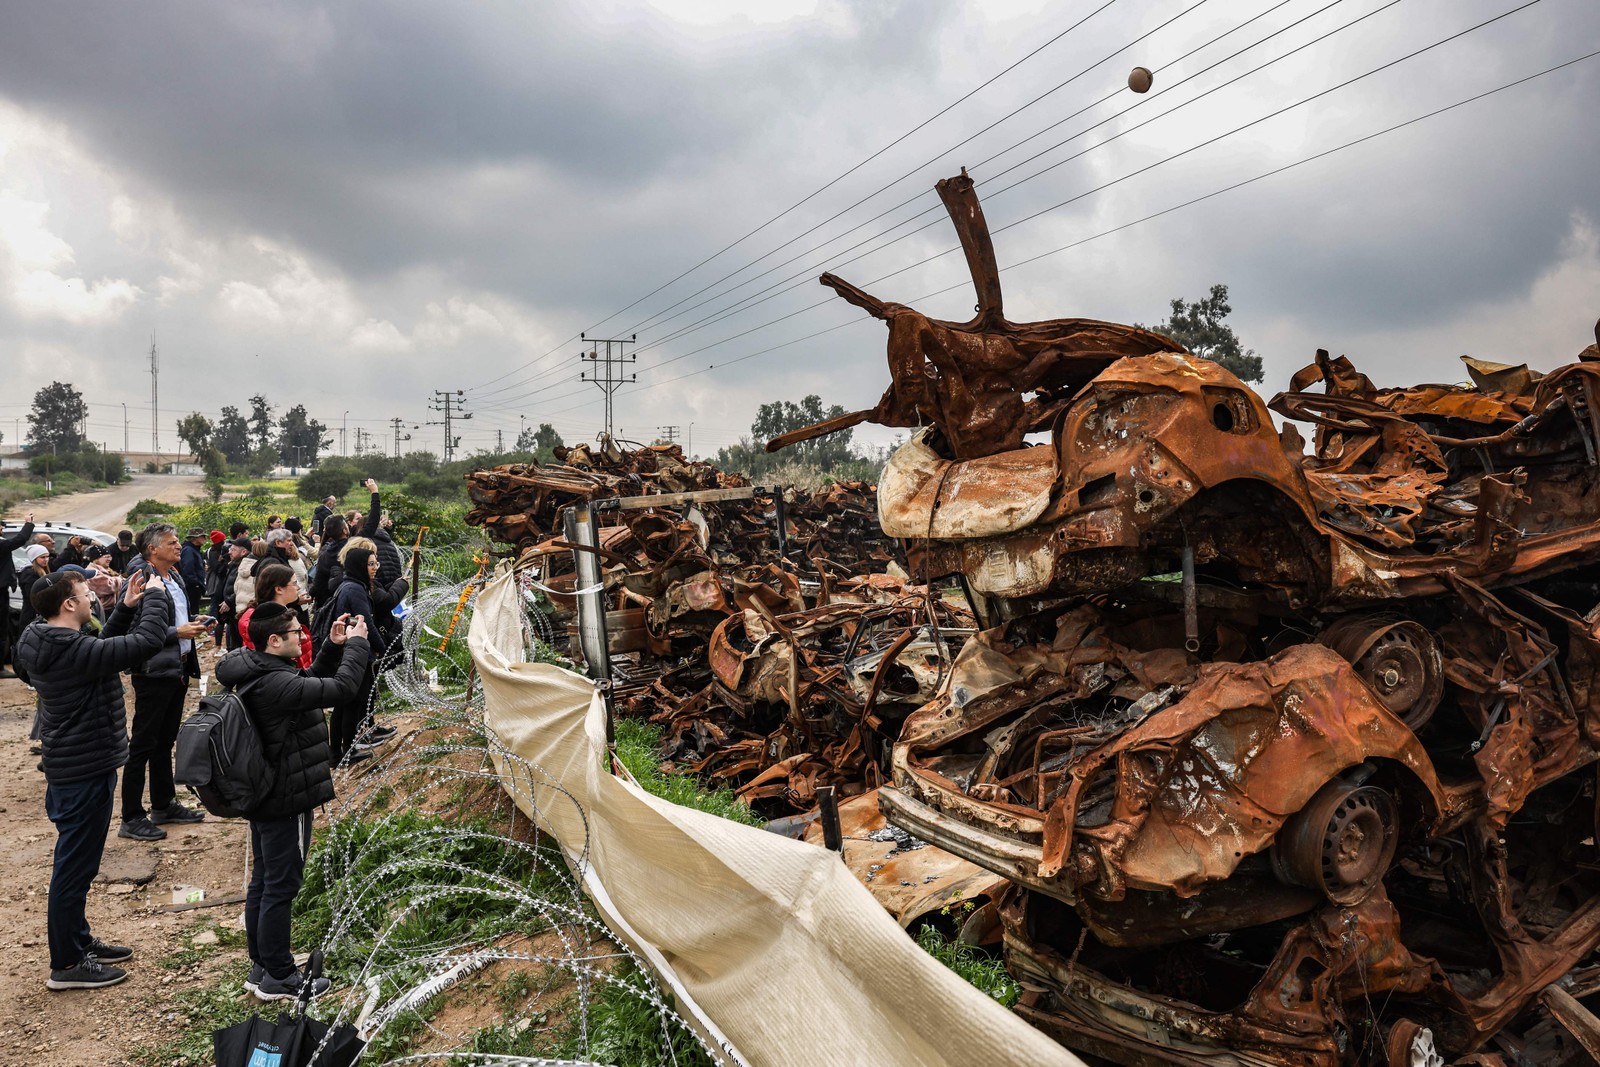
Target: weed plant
[(638, 749), (978, 968)]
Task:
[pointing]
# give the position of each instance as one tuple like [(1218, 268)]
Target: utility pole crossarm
[(606, 370)]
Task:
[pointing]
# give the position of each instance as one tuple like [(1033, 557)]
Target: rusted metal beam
[(1579, 1021)]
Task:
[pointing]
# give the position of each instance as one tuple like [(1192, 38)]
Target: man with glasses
[(285, 703), (83, 728)]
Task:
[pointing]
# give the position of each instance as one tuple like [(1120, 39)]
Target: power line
[(757, 298), (967, 140), (1115, 181), (802, 201), (794, 281), (1153, 215)]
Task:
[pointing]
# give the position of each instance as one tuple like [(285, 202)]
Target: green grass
[(638, 747), (625, 1029), (975, 966)]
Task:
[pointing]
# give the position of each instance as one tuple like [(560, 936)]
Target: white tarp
[(770, 944)]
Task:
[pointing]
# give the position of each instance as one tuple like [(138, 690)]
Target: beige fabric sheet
[(773, 949)]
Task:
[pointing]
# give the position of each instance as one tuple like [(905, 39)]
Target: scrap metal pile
[(775, 664), (1285, 755), (1288, 756)]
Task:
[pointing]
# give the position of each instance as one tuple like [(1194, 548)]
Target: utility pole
[(124, 428), (396, 422), (667, 433), (155, 413), (344, 427), (607, 369), (361, 441), (450, 404)]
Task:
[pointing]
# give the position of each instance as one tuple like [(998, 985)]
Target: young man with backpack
[(286, 703), (83, 727)]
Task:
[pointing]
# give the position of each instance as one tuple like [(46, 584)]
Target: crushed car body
[(1289, 754)]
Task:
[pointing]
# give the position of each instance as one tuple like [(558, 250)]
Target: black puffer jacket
[(286, 704), (8, 545), (328, 573), (354, 598), (390, 563), (83, 721), (169, 662)]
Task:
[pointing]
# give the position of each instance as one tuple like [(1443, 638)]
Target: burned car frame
[(1289, 755)]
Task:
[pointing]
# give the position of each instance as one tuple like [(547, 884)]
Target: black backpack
[(220, 756)]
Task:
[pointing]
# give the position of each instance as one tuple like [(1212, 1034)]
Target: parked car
[(61, 531)]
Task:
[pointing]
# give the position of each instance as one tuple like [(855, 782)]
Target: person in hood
[(84, 729), (329, 572), (358, 596), (285, 702)]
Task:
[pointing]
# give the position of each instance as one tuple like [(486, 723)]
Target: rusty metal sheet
[(912, 879)]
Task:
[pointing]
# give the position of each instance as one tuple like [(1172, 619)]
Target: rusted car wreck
[(1286, 753)]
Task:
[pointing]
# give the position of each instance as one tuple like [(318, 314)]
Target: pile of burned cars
[(1266, 750), (1286, 753)]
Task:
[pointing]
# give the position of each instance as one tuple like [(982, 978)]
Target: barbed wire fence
[(428, 875)]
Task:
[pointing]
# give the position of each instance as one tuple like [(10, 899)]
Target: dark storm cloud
[(571, 157), (387, 135)]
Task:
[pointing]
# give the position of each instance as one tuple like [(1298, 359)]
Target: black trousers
[(278, 850), (346, 721), (5, 627), (81, 812), (157, 712)]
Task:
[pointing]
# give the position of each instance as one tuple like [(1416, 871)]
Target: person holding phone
[(160, 684), (285, 702)]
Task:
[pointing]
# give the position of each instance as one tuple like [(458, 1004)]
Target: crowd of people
[(304, 623)]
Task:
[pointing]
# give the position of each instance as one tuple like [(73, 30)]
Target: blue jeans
[(81, 812), (278, 853)]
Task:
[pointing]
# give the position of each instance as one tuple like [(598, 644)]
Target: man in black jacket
[(8, 582), (82, 724), (286, 705), (192, 566), (160, 684), (123, 552)]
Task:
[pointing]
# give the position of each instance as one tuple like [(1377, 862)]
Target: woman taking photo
[(359, 595), (277, 584)]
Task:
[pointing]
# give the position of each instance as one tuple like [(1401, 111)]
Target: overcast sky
[(352, 205)]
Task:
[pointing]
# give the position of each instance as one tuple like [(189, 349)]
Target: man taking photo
[(159, 686), (285, 703), (83, 727)]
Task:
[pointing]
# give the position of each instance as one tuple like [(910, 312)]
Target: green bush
[(88, 464), (330, 479), (147, 510)]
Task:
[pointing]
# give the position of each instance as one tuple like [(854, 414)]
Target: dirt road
[(107, 509)]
